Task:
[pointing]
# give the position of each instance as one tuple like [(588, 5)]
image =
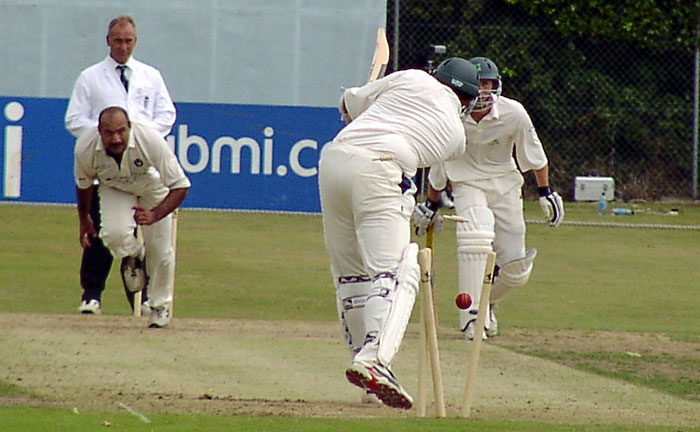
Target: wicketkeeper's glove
[(552, 205), (424, 215)]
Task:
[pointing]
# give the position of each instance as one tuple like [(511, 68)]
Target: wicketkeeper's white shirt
[(99, 86), (407, 116), (490, 144)]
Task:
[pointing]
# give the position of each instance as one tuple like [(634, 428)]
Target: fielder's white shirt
[(490, 144), (99, 86), (148, 167), (408, 116)]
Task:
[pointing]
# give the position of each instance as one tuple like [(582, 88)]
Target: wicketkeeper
[(406, 120), (486, 185)]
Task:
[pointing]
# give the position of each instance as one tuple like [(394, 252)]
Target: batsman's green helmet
[(460, 75)]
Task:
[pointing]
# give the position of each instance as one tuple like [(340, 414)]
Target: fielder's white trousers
[(117, 233), (366, 215), (503, 196)]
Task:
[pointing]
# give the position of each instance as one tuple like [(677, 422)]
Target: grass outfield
[(614, 282), (25, 419)]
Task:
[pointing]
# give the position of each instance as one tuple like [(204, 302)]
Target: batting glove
[(552, 205), (424, 215)]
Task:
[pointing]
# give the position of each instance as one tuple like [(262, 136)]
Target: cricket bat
[(380, 60)]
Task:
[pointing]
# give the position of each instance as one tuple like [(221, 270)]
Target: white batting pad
[(474, 242), (512, 275), (477, 233), (388, 309), (351, 297), (408, 275)]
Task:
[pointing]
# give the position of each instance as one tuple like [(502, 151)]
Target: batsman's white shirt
[(487, 175), (405, 120), (147, 173), (408, 116), (99, 86), (490, 144)]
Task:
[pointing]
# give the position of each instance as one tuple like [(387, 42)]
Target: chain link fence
[(601, 107)]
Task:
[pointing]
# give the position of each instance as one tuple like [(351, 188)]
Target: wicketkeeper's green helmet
[(487, 71), (486, 68)]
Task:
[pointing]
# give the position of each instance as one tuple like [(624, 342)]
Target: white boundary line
[(620, 225), (529, 221)]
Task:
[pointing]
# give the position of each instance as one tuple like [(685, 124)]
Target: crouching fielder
[(486, 185), (406, 120), (141, 182)]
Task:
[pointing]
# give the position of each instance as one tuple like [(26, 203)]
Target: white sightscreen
[(267, 52)]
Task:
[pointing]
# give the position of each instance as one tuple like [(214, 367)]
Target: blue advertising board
[(239, 157)]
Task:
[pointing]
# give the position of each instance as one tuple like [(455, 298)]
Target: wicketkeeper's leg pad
[(351, 296), (474, 242), (511, 275)]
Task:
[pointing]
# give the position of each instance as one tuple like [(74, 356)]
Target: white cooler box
[(591, 188)]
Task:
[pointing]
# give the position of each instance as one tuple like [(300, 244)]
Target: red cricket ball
[(463, 301)]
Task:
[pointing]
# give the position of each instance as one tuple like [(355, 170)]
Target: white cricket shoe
[(492, 325), (90, 308), (160, 317), (469, 331), (379, 380)]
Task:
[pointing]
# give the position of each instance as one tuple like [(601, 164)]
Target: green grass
[(268, 266), (41, 419), (676, 376), (252, 265), (11, 390)]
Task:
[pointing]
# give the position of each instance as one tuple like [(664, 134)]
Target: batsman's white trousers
[(117, 233), (366, 215), (503, 196)]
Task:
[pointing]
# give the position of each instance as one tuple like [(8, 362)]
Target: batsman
[(406, 120), (486, 185)]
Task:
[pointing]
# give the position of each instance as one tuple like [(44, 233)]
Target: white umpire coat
[(99, 86)]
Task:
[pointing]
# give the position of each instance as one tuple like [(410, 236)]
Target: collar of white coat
[(113, 63)]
